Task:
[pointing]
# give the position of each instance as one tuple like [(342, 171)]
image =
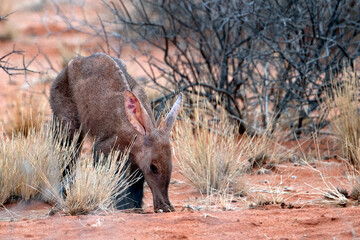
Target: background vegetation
[(263, 59), (262, 69)]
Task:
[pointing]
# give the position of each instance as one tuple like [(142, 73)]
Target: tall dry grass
[(343, 106), (214, 158), (32, 167), (211, 156), (345, 118), (30, 163), (27, 112), (96, 188), (266, 147)]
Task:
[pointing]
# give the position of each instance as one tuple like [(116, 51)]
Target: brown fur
[(91, 92)]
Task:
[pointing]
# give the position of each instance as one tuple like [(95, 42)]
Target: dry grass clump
[(95, 188), (213, 157), (210, 153), (32, 167), (267, 149), (346, 122), (25, 114), (8, 173), (269, 194), (27, 161), (261, 199), (354, 180), (355, 191)]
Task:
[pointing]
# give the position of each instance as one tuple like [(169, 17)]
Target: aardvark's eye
[(153, 168)]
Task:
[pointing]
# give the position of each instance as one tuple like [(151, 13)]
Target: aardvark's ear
[(168, 123), (137, 114)]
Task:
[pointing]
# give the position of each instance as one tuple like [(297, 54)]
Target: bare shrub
[(13, 70), (267, 57), (5, 64)]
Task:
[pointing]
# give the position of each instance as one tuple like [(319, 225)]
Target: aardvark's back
[(92, 90)]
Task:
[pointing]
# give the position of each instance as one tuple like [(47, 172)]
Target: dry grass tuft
[(343, 106), (270, 195), (213, 157), (259, 200), (330, 193), (355, 191), (25, 114), (32, 166), (25, 160), (95, 187), (346, 122), (354, 180), (210, 153), (267, 149), (8, 173)]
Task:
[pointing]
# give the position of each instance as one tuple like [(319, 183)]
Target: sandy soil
[(304, 213), (308, 218), (327, 223)]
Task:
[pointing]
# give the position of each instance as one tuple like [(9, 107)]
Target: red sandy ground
[(308, 219)]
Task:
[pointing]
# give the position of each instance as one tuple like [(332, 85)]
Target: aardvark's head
[(153, 151)]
